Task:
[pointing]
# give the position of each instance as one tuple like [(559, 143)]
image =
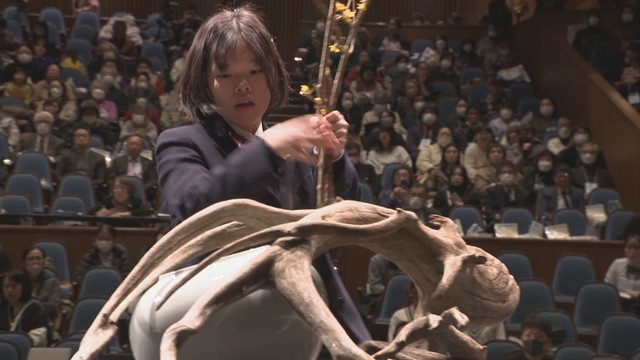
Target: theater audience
[(104, 253), (559, 196), (624, 274), (45, 285), (459, 193), (19, 311)]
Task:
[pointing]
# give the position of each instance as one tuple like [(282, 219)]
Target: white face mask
[(507, 179), (108, 80), (505, 114), (386, 122), (593, 20), (587, 158), (55, 92), (546, 110), (43, 129), (580, 139), (98, 94), (24, 58), (461, 110), (446, 64), (378, 108), (143, 85), (138, 119), (429, 118), (416, 203), (544, 166), (141, 102), (444, 140), (347, 104), (104, 246), (109, 56), (418, 106)]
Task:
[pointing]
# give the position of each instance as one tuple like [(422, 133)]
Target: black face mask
[(533, 347)]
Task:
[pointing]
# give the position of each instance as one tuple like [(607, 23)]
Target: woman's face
[(385, 138), (120, 193), (451, 155), (457, 178), (11, 291), (496, 156), (240, 91), (632, 251), (401, 176), (34, 262)]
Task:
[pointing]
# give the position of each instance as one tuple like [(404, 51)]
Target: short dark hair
[(537, 322), (213, 43), (109, 228), (21, 278), (30, 249), (127, 183)]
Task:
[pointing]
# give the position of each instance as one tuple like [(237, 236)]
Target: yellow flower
[(305, 90), (362, 5), (335, 48), (348, 16), (340, 6)]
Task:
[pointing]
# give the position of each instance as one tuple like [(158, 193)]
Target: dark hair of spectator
[(18, 276)]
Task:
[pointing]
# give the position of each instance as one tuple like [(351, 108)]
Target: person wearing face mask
[(105, 252), (425, 133), (443, 72), (141, 86), (392, 39), (431, 155), (53, 78), (388, 119), (455, 119), (504, 119), (125, 36), (372, 119), (628, 28), (508, 191), (368, 86), (89, 118), (486, 44), (492, 104), (536, 339), (587, 38), (564, 129), (108, 111), (410, 101), (23, 59), (570, 156), (397, 73), (539, 174), (546, 118), (42, 140), (588, 175), (139, 123), (366, 172), (44, 285), (109, 75), (81, 160), (352, 111), (156, 83)]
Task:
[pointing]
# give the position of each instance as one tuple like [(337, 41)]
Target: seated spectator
[(81, 160), (380, 271), (44, 286), (508, 191), (629, 83), (52, 86), (624, 274), (588, 175), (571, 155), (122, 202), (392, 40), (399, 195), (8, 41), (107, 109), (141, 120), (424, 133), (90, 118), (404, 315), (388, 119), (72, 61), (42, 140), (397, 74), (500, 123), (366, 172), (190, 20), (488, 174), (141, 86), (132, 164), (511, 142), (18, 87), (106, 54), (104, 253), (467, 57), (536, 338), (495, 99), (437, 178), (628, 28), (351, 110), (156, 82), (114, 81), (124, 35), (18, 312), (457, 117), (594, 34), (42, 58), (371, 119), (23, 59), (353, 71), (40, 33), (545, 119), (419, 203), (475, 156), (487, 44), (386, 151), (564, 128), (559, 196), (444, 72), (366, 86), (459, 193), (539, 174), (10, 130), (503, 58), (431, 155), (465, 133)]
